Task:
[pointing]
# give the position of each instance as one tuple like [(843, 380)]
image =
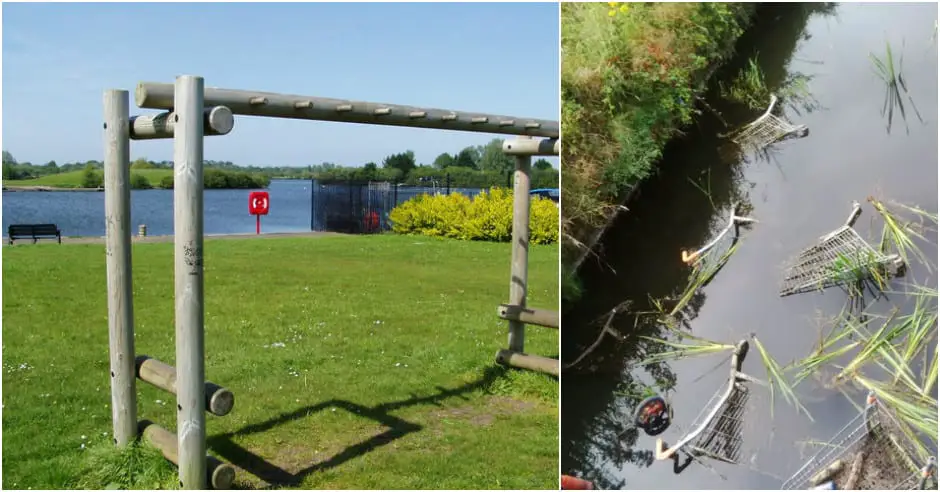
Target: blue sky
[(58, 59)]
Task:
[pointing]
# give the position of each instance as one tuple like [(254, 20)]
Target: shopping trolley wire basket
[(837, 258), (870, 453), (717, 430)]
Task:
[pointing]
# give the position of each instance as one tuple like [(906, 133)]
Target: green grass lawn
[(73, 179), (356, 362)]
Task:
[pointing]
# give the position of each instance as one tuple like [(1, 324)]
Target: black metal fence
[(363, 207)]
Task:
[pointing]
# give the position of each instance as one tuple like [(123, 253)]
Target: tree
[(140, 182), (404, 162), (91, 178), (468, 157), (542, 165), (8, 158), (493, 158), (444, 161), (141, 163), (370, 171)]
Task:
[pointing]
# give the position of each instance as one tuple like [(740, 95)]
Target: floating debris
[(837, 258), (653, 415)]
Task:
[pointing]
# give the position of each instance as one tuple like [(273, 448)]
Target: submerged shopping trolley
[(870, 453), (837, 258), (717, 431), (767, 130)]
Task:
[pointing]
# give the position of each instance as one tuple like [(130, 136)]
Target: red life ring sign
[(258, 203)]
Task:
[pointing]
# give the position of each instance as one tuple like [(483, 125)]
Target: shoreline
[(593, 235), (49, 188)]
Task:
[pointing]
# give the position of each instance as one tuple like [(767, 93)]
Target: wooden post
[(545, 146), (219, 400), (160, 96), (117, 204), (220, 475), (188, 257), (519, 275), (530, 362), (216, 121), (529, 316)]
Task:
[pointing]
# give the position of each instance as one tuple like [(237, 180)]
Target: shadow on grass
[(273, 475)]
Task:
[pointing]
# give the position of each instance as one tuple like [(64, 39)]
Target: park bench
[(34, 231)]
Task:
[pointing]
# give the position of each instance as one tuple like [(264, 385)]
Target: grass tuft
[(134, 467), (701, 346), (899, 234), (892, 77), (777, 380)]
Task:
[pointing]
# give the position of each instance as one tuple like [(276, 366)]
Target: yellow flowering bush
[(487, 217)]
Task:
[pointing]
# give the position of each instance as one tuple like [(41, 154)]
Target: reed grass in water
[(893, 80), (892, 354)]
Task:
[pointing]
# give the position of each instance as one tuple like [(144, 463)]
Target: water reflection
[(643, 248)]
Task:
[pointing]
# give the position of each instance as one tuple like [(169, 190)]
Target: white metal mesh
[(765, 130), (723, 437), (839, 257), (867, 454)]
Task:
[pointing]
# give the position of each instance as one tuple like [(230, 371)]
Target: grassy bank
[(73, 179), (144, 178), (357, 362), (631, 75)]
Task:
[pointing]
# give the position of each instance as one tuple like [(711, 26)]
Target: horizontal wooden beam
[(155, 95), (545, 146), (218, 473), (529, 316), (531, 362), (216, 121), (219, 400)]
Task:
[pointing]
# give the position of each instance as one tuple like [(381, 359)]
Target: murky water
[(803, 192)]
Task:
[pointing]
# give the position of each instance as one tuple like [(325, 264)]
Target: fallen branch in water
[(606, 330)]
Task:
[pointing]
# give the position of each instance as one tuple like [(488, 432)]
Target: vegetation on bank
[(481, 166), (144, 175), (358, 362), (631, 78), (485, 217), (145, 179)]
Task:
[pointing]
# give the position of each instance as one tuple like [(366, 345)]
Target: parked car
[(552, 194)]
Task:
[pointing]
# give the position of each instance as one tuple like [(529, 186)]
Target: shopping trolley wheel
[(653, 415)]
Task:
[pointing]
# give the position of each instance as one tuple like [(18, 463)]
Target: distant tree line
[(480, 166), (13, 170), (218, 175)]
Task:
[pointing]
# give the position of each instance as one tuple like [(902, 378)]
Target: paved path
[(169, 238)]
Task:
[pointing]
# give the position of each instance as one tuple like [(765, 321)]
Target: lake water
[(81, 213), (803, 192)]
